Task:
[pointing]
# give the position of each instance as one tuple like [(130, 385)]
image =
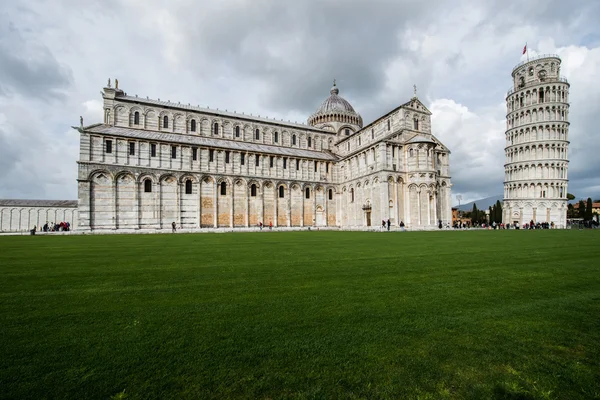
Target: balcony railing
[(535, 58), (537, 82)]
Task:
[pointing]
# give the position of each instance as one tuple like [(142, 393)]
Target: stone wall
[(23, 215)]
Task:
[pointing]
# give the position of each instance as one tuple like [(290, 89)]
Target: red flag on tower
[(525, 48)]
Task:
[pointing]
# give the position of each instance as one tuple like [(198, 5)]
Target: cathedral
[(152, 163)]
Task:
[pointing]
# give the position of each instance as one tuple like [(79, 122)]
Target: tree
[(498, 212), (570, 211), (570, 196), (588, 210), (474, 214), (581, 213)]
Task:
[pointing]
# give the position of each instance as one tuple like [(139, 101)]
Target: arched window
[(136, 118), (188, 186), (223, 189), (389, 125), (165, 122), (281, 191), (193, 125), (372, 133), (416, 124), (216, 129), (330, 194), (351, 195), (307, 193), (148, 186), (293, 140), (347, 132), (276, 137), (257, 134), (253, 190), (237, 131), (309, 142), (410, 152)]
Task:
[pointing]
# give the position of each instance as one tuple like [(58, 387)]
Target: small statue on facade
[(108, 83), (116, 83), (81, 122)]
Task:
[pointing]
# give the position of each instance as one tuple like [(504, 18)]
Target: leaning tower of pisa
[(537, 142)]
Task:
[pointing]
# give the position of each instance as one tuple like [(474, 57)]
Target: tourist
[(174, 227), (270, 225)]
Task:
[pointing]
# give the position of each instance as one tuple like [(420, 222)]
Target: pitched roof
[(38, 203), (194, 140), (420, 139), (221, 113)]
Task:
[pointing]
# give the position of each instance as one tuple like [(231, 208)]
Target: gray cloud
[(27, 67)]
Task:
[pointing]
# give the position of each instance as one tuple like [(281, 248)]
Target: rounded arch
[(166, 176), (222, 179), (121, 174), (95, 173), (240, 181), (187, 176)]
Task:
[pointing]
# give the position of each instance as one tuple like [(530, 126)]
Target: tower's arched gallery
[(537, 143), (151, 163)]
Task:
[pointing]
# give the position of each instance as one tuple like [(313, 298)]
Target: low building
[(23, 215)]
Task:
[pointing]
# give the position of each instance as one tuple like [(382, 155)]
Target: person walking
[(388, 224), (174, 227)]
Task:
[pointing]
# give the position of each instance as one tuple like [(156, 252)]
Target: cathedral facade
[(152, 163)]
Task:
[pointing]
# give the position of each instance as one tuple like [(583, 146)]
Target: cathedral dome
[(335, 103), (335, 109)]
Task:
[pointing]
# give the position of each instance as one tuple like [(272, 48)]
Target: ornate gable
[(415, 105)]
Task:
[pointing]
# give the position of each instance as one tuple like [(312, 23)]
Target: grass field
[(302, 315)]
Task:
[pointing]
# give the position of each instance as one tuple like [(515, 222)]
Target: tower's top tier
[(540, 69)]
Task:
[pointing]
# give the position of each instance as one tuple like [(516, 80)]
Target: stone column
[(325, 208), (275, 202), (383, 199), (136, 203), (429, 200), (262, 204), (247, 216), (231, 205), (419, 205), (302, 195), (114, 204), (289, 203), (314, 206), (435, 217), (199, 212), (84, 189), (216, 204)]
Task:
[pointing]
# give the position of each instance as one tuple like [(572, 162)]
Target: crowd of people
[(53, 227)]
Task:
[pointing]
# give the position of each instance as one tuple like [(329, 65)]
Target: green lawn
[(302, 315)]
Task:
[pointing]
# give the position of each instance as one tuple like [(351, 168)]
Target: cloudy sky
[(278, 58)]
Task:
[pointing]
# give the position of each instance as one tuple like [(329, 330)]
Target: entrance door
[(368, 218), (320, 221)]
